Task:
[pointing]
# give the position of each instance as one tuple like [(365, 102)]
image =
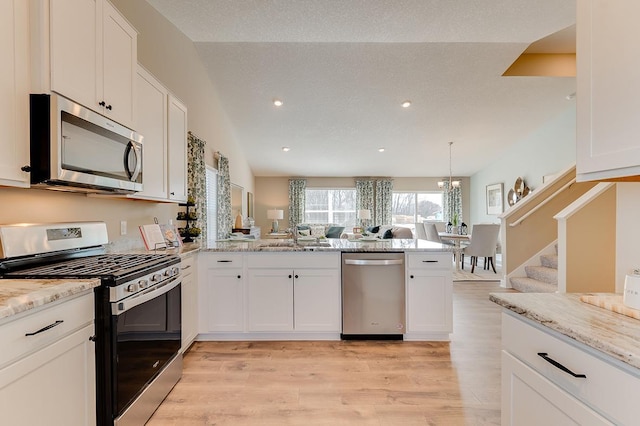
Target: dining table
[(457, 246)]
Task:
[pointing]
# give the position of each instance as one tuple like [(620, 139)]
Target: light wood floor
[(346, 382)]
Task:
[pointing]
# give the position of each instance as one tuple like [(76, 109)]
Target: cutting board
[(611, 302)]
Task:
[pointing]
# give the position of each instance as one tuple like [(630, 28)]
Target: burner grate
[(111, 265)]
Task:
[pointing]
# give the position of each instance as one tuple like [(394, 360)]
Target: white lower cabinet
[(270, 300), (50, 379), (221, 294), (285, 295), (429, 296), (550, 379), (317, 300), (189, 301)]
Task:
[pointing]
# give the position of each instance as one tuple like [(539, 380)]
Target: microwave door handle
[(131, 147)]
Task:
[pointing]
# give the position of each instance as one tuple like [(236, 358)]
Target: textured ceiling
[(342, 69)]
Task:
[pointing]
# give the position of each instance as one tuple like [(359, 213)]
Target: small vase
[(454, 229)]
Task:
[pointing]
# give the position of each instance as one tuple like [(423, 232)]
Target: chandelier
[(451, 183)]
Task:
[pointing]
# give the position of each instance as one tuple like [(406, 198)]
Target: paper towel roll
[(631, 295)]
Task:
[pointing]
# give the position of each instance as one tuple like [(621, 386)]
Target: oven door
[(147, 336)]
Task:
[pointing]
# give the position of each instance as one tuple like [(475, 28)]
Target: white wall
[(627, 231), (548, 150)]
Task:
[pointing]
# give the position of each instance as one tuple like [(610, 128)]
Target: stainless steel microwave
[(76, 149)]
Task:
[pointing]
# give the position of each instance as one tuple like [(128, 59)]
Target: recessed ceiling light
[(286, 148), (277, 102), (380, 149), (406, 104)]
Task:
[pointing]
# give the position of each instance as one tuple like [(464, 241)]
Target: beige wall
[(273, 192), (172, 58)]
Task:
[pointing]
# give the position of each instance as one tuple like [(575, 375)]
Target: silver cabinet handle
[(363, 262)]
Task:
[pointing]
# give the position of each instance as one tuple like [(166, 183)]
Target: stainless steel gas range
[(138, 310)]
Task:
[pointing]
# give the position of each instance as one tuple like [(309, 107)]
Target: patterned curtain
[(197, 180), (384, 196), (452, 203), (296, 201), (365, 199), (225, 220)]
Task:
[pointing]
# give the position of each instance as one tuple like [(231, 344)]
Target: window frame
[(330, 211)]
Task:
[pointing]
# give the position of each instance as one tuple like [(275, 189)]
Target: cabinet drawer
[(68, 315), (609, 389), (223, 260), (430, 261), (187, 265)]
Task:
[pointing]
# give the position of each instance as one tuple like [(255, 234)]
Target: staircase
[(539, 279)]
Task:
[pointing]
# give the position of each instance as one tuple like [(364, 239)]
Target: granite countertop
[(20, 295), (614, 334), (329, 245)]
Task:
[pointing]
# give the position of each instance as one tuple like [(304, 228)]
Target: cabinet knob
[(108, 107), (296, 276), (93, 338), (102, 103), (289, 275), (26, 168), (173, 193), (239, 276), (411, 276)]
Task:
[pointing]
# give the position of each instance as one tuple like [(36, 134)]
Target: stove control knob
[(175, 270), (132, 288), (168, 272), (156, 277), (143, 284)]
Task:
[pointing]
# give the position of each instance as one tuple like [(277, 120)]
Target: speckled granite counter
[(331, 244), (22, 295), (614, 334)]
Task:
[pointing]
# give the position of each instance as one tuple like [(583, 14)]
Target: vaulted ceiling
[(343, 67)]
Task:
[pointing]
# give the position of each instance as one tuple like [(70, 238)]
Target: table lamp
[(275, 215)]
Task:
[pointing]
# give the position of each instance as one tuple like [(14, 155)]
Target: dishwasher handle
[(380, 262)]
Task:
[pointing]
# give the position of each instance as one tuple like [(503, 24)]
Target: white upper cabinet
[(161, 119), (151, 123), (177, 150), (608, 94), (93, 57), (14, 85)]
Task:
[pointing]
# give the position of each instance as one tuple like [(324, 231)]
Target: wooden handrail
[(536, 208)]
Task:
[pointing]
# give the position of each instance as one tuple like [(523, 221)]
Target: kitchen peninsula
[(269, 290)]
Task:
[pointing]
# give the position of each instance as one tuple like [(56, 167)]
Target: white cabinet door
[(270, 300), (429, 302), (93, 59), (317, 300), (189, 301), (177, 150), (429, 296), (119, 58), (75, 58), (14, 86), (608, 101), (529, 399), (151, 123), (221, 299), (54, 386)]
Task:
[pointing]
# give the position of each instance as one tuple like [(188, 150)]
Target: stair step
[(549, 260), (542, 273), (529, 285)]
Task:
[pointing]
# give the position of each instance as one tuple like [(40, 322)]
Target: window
[(330, 206), (411, 207), (212, 205)]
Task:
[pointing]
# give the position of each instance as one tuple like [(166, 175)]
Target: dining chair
[(483, 243), (431, 232), (420, 231)]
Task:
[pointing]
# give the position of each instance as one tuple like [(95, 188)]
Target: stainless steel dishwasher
[(373, 303)]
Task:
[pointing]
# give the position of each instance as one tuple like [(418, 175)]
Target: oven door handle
[(144, 296)]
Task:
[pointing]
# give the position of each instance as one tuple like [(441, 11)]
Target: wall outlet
[(123, 227)]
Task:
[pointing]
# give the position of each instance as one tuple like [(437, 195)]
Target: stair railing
[(544, 202)]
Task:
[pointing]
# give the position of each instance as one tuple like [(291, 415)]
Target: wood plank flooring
[(348, 382)]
